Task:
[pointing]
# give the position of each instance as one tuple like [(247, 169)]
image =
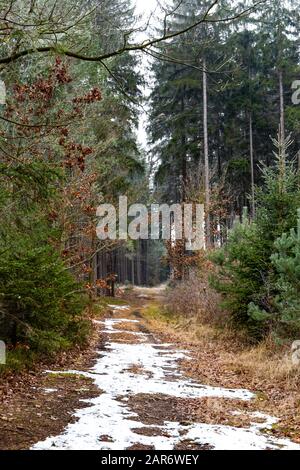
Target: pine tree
[(286, 262), (246, 274), (177, 115)]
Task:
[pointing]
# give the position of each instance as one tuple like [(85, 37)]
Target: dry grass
[(264, 360), (138, 369), (124, 337), (127, 326), (194, 298), (222, 357)]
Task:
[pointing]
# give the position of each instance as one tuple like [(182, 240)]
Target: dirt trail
[(143, 398)]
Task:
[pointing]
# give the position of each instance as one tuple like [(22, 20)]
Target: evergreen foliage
[(250, 273), (65, 146)]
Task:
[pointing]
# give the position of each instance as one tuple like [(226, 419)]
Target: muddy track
[(145, 400), (133, 395)]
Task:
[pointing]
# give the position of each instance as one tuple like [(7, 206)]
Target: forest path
[(144, 401)]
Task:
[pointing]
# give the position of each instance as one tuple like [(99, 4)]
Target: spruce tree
[(246, 275)]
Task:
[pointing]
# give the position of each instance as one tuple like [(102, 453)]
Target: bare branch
[(131, 47)]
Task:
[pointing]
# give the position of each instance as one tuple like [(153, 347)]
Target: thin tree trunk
[(132, 271), (252, 165), (281, 99), (183, 162), (138, 263), (206, 161)]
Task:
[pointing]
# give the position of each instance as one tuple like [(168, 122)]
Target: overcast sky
[(144, 7)]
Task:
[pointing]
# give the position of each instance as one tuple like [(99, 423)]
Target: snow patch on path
[(106, 415)]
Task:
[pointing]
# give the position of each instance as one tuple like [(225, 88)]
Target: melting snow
[(120, 307), (106, 415)]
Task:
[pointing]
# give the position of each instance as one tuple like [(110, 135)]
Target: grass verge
[(222, 357)]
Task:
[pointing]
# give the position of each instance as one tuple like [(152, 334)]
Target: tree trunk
[(281, 99), (132, 271), (206, 161), (183, 157), (252, 165)]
